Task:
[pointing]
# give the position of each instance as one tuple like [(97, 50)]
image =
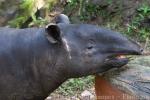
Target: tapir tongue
[(123, 57)]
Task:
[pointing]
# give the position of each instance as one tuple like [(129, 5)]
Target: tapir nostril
[(141, 50)]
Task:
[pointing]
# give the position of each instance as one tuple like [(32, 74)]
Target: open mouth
[(119, 59), (122, 56)]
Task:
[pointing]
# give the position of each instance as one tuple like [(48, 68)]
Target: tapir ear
[(62, 18), (53, 33)]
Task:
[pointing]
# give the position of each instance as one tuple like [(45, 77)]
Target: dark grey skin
[(36, 61)]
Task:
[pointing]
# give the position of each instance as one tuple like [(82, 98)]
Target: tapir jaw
[(119, 59), (120, 56)]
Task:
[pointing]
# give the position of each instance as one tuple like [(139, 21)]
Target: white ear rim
[(48, 37), (51, 39), (49, 25)]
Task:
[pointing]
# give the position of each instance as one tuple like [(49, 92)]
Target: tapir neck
[(47, 63)]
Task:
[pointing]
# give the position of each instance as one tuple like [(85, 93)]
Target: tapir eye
[(91, 44), (90, 47)]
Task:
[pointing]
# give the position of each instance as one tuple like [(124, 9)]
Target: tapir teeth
[(121, 56), (129, 57)]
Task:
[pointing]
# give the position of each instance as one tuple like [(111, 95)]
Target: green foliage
[(26, 10), (144, 10), (135, 28), (90, 10), (39, 22), (71, 5), (49, 4), (27, 6), (73, 2), (109, 1), (85, 10), (77, 84)]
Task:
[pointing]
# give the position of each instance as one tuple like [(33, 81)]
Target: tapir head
[(89, 48)]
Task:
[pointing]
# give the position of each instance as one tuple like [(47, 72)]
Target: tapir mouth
[(123, 55)]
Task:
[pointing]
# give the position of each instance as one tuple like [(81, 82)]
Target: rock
[(49, 98), (133, 79), (74, 98), (86, 95)]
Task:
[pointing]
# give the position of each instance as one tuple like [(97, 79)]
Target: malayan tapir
[(36, 61)]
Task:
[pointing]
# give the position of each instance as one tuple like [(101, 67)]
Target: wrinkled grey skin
[(35, 61)]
